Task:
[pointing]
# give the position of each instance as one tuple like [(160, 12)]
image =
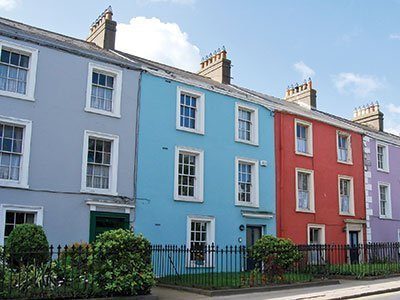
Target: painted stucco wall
[(293, 224), (58, 125), (164, 220), (380, 229)]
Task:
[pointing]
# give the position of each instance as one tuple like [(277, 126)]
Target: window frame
[(199, 170), (112, 190), (32, 70), (386, 157), (255, 182), (210, 237), (37, 210), (26, 149), (310, 146), (253, 129), (350, 151), (316, 226), (389, 214), (312, 190), (351, 200), (200, 106), (117, 89)]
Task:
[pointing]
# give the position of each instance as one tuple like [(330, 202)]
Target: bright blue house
[(205, 157)]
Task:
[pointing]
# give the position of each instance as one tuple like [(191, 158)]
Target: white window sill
[(247, 142), (350, 163), (304, 154), (347, 214), (99, 192), (383, 171), (305, 211), (243, 204), (16, 184), (17, 95), (389, 218), (188, 199), (201, 132), (102, 112)]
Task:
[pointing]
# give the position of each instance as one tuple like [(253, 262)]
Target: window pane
[(5, 56), (24, 61), (14, 59)]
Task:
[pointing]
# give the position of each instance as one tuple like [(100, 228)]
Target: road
[(391, 296)]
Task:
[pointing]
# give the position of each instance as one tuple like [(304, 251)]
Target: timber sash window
[(104, 88), (15, 136), (346, 196), (344, 147), (246, 124), (11, 138), (100, 163), (382, 155), (14, 218), (14, 69), (17, 70), (305, 190), (190, 110), (247, 182), (200, 235), (303, 132), (188, 174), (385, 207)]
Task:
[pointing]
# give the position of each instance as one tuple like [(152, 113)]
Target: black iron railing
[(70, 272), (234, 266)]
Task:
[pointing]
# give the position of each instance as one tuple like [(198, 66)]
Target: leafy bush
[(27, 245), (123, 263), (275, 255)]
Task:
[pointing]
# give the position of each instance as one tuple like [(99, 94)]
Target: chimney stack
[(369, 115), (302, 94), (103, 30), (216, 66)]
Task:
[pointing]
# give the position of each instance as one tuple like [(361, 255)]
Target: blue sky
[(351, 48)]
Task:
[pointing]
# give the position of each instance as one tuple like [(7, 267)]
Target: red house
[(320, 174)]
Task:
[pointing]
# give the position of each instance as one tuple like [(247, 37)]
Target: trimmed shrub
[(27, 245), (123, 263), (275, 255)]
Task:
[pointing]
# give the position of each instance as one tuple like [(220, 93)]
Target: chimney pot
[(370, 115), (103, 30), (302, 94), (216, 66)]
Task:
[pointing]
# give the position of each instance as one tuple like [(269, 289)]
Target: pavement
[(348, 289)]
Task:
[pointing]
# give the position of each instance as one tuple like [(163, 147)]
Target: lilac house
[(382, 177)]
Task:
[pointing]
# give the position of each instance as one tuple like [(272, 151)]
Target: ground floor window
[(103, 221), (201, 232), (316, 238), (13, 215)]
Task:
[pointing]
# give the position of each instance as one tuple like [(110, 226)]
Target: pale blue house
[(205, 158)]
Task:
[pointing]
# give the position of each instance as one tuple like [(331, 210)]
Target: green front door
[(104, 221)]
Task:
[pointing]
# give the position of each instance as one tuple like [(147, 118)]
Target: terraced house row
[(93, 139)]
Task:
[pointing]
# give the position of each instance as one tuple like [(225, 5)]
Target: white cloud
[(182, 2), (393, 108), (304, 70), (158, 41), (357, 84), (8, 4), (394, 36)]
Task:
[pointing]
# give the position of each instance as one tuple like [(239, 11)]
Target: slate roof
[(24, 32)]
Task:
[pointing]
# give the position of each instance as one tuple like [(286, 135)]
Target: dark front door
[(103, 221), (354, 247), (253, 233)]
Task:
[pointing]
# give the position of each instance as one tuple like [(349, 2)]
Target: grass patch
[(209, 280)]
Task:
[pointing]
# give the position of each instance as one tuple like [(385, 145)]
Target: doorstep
[(238, 291)]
